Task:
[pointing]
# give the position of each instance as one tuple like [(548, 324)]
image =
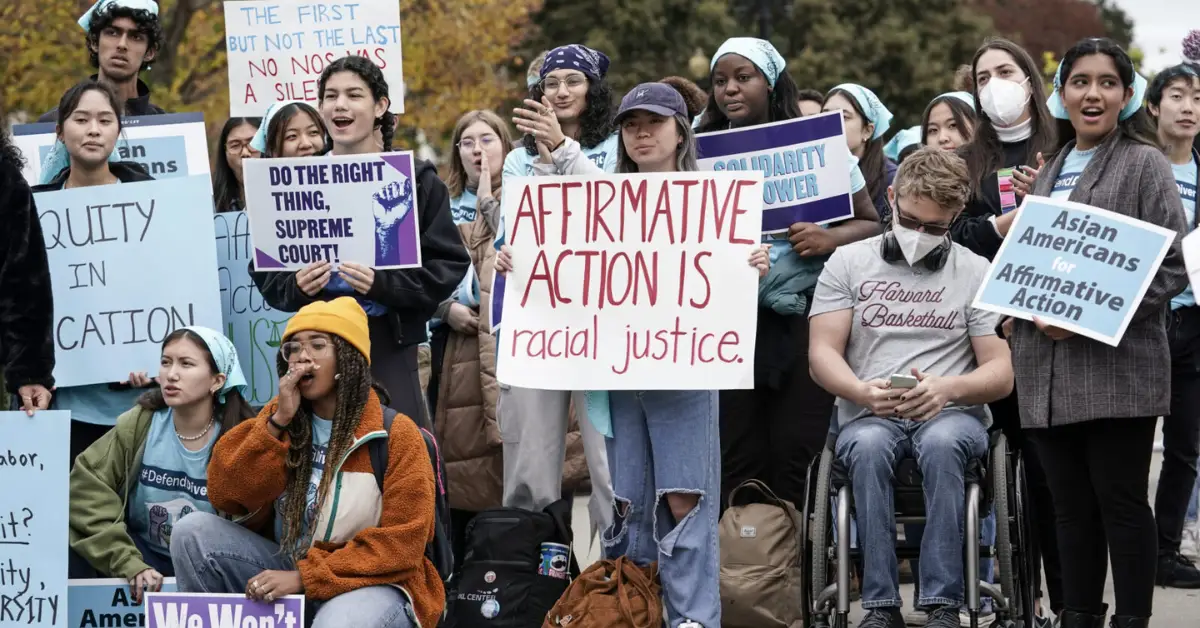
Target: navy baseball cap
[(658, 98)]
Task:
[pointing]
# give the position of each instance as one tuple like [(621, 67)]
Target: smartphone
[(904, 381)]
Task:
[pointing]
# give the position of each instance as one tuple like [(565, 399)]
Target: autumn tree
[(1054, 26)]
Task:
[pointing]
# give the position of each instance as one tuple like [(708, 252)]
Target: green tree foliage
[(1117, 23)]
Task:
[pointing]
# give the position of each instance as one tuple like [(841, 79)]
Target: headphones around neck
[(889, 248)]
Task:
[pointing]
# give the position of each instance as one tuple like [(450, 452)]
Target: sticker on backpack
[(749, 532), (489, 577), (490, 609)]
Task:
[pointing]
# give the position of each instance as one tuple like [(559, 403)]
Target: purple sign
[(806, 164), (214, 610), (498, 283)]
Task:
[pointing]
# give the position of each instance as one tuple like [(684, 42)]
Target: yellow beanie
[(342, 317)]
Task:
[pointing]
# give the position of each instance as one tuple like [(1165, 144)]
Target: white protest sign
[(278, 48), (627, 282), (1191, 258)]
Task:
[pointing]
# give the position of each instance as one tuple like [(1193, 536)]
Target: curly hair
[(373, 77), (10, 155), (228, 413), (596, 121), (352, 389), (146, 23), (693, 96)]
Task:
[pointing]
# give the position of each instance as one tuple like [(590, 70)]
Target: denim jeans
[(663, 442), (869, 448), (913, 533), (1194, 503), (213, 555)]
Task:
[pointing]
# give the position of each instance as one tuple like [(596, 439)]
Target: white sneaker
[(916, 617), (986, 615)]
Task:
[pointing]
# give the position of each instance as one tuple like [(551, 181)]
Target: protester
[(291, 128), (942, 421), (354, 105), (123, 37), (904, 143), (464, 390), (27, 308), (1173, 101), (572, 98), (866, 121), (772, 432), (88, 125), (1095, 441), (694, 97), (132, 487), (229, 186), (353, 546), (810, 101), (949, 121)]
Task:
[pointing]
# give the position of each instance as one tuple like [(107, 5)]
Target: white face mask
[(1004, 101), (914, 244)]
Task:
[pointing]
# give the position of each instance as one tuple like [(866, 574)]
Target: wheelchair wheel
[(998, 470), (821, 531), (1027, 567)]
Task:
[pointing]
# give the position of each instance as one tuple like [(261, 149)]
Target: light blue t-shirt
[(172, 483), (1185, 178), (519, 163), (321, 430), (96, 403), (779, 242), (462, 207), (1072, 169)]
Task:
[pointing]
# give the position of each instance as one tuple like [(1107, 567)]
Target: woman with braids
[(354, 546), (772, 432), (121, 517), (354, 107), (229, 188)]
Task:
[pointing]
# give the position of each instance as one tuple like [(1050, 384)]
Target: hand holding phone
[(904, 381)]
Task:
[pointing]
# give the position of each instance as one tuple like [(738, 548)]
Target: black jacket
[(411, 295), (124, 171), (973, 229), (139, 106), (26, 298)]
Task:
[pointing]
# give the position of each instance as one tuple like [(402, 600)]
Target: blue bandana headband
[(593, 63), (760, 52), (876, 113), (1058, 108), (58, 159), (225, 356), (966, 97), (902, 140), (259, 141), (151, 6)]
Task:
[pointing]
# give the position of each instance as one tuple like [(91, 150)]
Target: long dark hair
[(1137, 127), (782, 104), (280, 121), (984, 154), (596, 121), (229, 414), (226, 189), (873, 163), (373, 77), (962, 113), (353, 390)]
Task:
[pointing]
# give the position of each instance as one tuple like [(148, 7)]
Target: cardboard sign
[(214, 610)]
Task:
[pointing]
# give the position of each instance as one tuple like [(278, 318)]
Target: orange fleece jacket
[(248, 472)]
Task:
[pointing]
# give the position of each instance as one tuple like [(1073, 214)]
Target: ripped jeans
[(667, 441)]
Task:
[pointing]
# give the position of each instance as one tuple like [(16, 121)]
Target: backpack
[(611, 594), (439, 551), (500, 585), (760, 562)]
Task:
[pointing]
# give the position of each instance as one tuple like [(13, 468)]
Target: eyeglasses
[(484, 142), (932, 228), (235, 147), (552, 84), (317, 347)]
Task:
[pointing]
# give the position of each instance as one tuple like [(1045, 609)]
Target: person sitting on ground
[(353, 544), (134, 485), (900, 303)]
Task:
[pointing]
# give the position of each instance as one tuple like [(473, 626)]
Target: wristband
[(277, 426), (560, 145)]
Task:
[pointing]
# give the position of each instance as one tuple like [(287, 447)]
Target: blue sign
[(254, 326), (34, 465), (805, 162), (130, 264), (104, 602), (1077, 267)]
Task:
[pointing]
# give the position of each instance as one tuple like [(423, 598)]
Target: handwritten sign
[(168, 146), (33, 518), (804, 161), (254, 326), (222, 610), (354, 208), (278, 49), (1077, 267), (104, 602), (130, 264), (631, 281)]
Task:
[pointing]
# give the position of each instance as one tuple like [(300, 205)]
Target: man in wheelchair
[(894, 337)]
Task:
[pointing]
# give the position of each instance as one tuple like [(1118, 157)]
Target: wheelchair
[(998, 480)]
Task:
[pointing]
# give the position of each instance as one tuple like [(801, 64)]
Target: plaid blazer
[(1079, 379)]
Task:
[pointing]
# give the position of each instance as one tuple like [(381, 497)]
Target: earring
[(337, 377)]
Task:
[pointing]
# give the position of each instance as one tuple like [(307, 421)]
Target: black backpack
[(439, 551)]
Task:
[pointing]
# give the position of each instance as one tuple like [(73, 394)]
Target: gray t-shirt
[(905, 316)]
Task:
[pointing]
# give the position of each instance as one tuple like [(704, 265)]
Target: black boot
[(1177, 572), (1122, 621), (1072, 619)]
